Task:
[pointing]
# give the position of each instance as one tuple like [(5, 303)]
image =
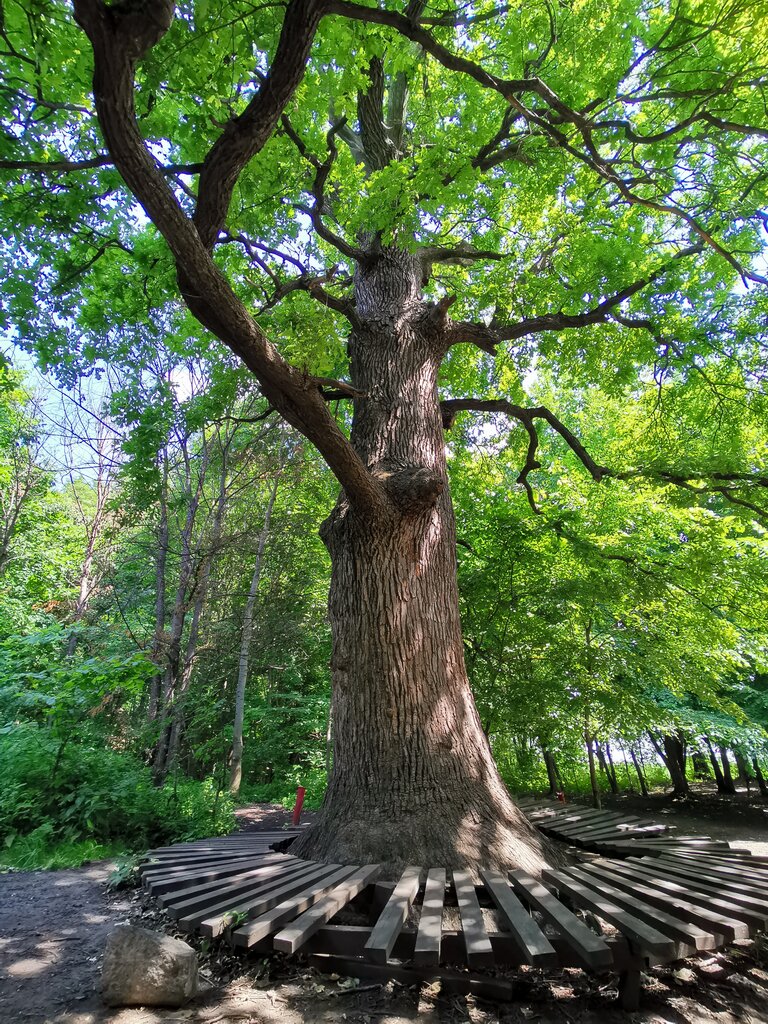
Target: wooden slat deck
[(667, 896), (612, 833)]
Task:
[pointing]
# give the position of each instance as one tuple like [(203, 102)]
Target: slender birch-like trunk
[(236, 769)]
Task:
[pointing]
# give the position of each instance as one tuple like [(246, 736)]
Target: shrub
[(59, 793)]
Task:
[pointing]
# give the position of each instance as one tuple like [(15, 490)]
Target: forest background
[(164, 647)]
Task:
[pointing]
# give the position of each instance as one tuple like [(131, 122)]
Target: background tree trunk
[(553, 776), (236, 767), (716, 768), (588, 743), (639, 770), (672, 755), (729, 786), (760, 778)]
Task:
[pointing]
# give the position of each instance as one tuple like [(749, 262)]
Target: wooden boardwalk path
[(659, 896)]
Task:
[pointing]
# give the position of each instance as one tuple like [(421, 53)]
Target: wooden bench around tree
[(657, 901)]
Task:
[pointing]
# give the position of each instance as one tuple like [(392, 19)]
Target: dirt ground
[(53, 928)]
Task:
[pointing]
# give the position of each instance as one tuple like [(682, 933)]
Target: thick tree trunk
[(729, 786), (413, 777), (674, 760), (700, 767), (611, 769), (589, 743), (743, 770)]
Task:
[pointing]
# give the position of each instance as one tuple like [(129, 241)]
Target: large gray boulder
[(143, 968)]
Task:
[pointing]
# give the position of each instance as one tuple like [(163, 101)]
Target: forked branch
[(725, 484), (488, 336)]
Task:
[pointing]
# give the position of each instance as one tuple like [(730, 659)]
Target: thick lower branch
[(118, 39)]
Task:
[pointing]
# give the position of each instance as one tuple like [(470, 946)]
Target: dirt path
[(53, 927)]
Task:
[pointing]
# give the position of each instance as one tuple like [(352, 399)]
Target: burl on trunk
[(413, 777)]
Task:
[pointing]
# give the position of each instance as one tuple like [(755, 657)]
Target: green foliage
[(87, 798), (125, 874)]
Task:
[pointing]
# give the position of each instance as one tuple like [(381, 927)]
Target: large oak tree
[(393, 216)]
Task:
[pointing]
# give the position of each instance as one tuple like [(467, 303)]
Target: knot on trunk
[(412, 488)]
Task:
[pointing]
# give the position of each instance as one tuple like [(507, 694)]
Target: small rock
[(144, 968)]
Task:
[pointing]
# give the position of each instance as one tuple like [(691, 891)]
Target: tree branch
[(67, 166), (120, 34), (487, 337), (556, 112), (245, 135), (717, 481), (322, 170)]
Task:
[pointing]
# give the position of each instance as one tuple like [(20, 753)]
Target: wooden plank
[(684, 844), (430, 931), (734, 873), (163, 883), (260, 901), (184, 904), (620, 830), (178, 864), (240, 838), (589, 948), (664, 895), (349, 940), (453, 982), (168, 892), (740, 868), (612, 821), (294, 937), (533, 943), (212, 848), (663, 918), (260, 927), (638, 932), (741, 905), (478, 945), (393, 917), (191, 917), (625, 832), (573, 821), (696, 877)]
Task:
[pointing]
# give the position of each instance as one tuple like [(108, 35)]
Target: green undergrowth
[(524, 773), (283, 790), (64, 803)]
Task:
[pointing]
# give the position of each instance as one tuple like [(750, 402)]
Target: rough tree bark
[(413, 774)]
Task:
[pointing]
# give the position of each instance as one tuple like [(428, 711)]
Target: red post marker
[(561, 797), (299, 804)]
